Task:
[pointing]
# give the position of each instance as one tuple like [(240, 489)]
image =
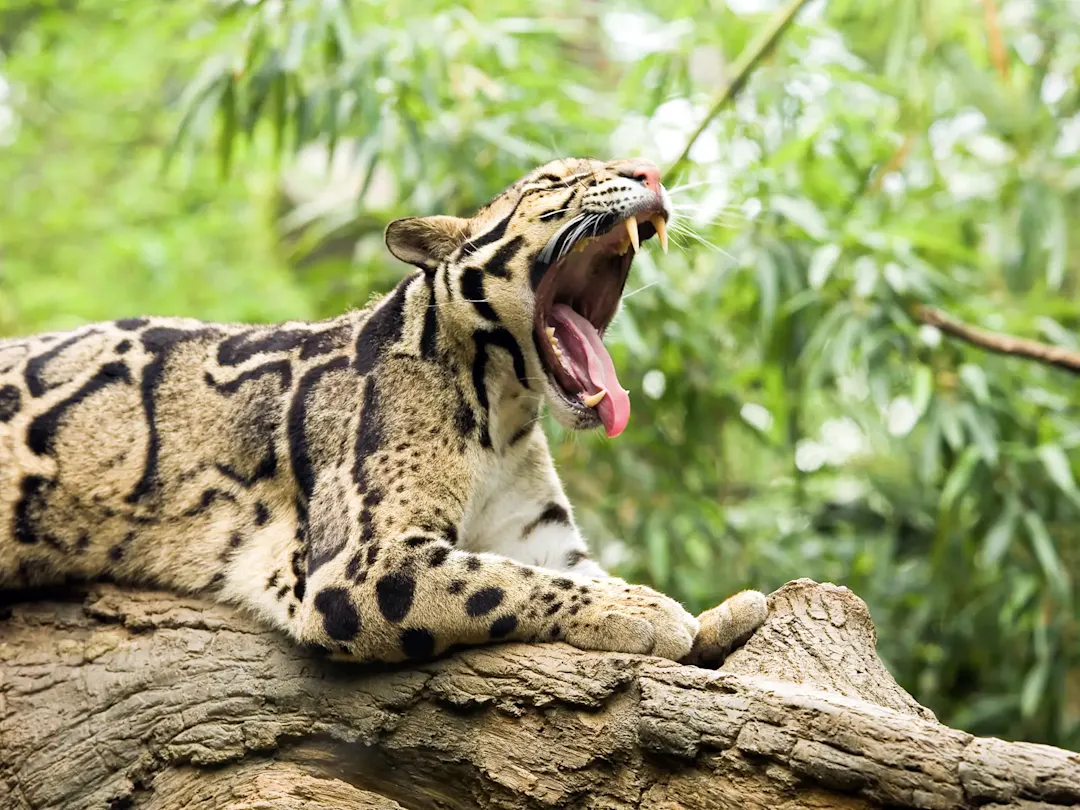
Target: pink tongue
[(590, 364)]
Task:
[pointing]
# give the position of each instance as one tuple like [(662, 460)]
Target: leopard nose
[(650, 176), (645, 172)]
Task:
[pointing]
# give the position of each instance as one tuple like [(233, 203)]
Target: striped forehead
[(568, 171)]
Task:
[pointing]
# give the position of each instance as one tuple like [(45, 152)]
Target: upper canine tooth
[(631, 228), (550, 330), (661, 230), (592, 400)]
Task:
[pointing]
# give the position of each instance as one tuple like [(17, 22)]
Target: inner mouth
[(576, 300)]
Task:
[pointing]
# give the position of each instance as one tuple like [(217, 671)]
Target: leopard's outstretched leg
[(422, 596)]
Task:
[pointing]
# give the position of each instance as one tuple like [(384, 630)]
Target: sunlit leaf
[(768, 289), (1034, 689), (659, 555), (922, 389), (959, 480), (950, 425), (975, 379), (1060, 471), (821, 265), (979, 427), (1047, 555), (1057, 236), (997, 540)]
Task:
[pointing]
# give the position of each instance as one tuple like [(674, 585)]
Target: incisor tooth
[(554, 341), (661, 230), (631, 228), (592, 400)]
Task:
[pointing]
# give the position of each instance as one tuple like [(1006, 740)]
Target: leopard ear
[(426, 241)]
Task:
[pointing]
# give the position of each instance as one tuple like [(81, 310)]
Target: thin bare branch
[(749, 59), (994, 40), (999, 343)]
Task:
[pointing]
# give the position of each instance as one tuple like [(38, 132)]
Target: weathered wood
[(124, 699)]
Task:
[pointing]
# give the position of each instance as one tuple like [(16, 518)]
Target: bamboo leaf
[(1033, 691), (659, 555), (959, 480), (1046, 553), (821, 265), (922, 389), (950, 426), (981, 432), (227, 137), (1058, 468), (997, 540)]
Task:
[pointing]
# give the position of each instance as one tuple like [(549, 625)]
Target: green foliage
[(790, 418), (89, 229)]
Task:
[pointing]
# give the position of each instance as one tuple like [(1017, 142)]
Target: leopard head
[(546, 261)]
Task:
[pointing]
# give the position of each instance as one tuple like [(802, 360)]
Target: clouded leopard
[(376, 483)]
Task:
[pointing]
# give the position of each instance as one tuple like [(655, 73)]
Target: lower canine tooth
[(661, 230), (592, 400), (631, 228)]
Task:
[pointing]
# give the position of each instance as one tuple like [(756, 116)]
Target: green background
[(790, 418)]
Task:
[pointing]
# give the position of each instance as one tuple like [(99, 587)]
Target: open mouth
[(588, 262)]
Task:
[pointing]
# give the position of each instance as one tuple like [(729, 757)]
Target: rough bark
[(124, 699)]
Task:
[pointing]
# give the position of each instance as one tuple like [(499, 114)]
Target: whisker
[(688, 206), (558, 211), (719, 221), (640, 289), (687, 186), (683, 229)]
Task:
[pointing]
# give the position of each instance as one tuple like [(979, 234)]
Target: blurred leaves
[(790, 418)]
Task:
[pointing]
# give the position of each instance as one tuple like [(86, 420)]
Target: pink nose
[(648, 174)]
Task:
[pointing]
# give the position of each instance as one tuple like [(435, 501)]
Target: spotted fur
[(376, 483)]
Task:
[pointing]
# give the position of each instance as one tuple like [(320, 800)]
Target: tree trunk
[(123, 699)]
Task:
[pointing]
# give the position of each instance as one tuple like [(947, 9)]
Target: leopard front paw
[(633, 619), (728, 626)]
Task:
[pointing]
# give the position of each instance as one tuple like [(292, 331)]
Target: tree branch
[(149, 701), (756, 51), (999, 343), (994, 42)]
